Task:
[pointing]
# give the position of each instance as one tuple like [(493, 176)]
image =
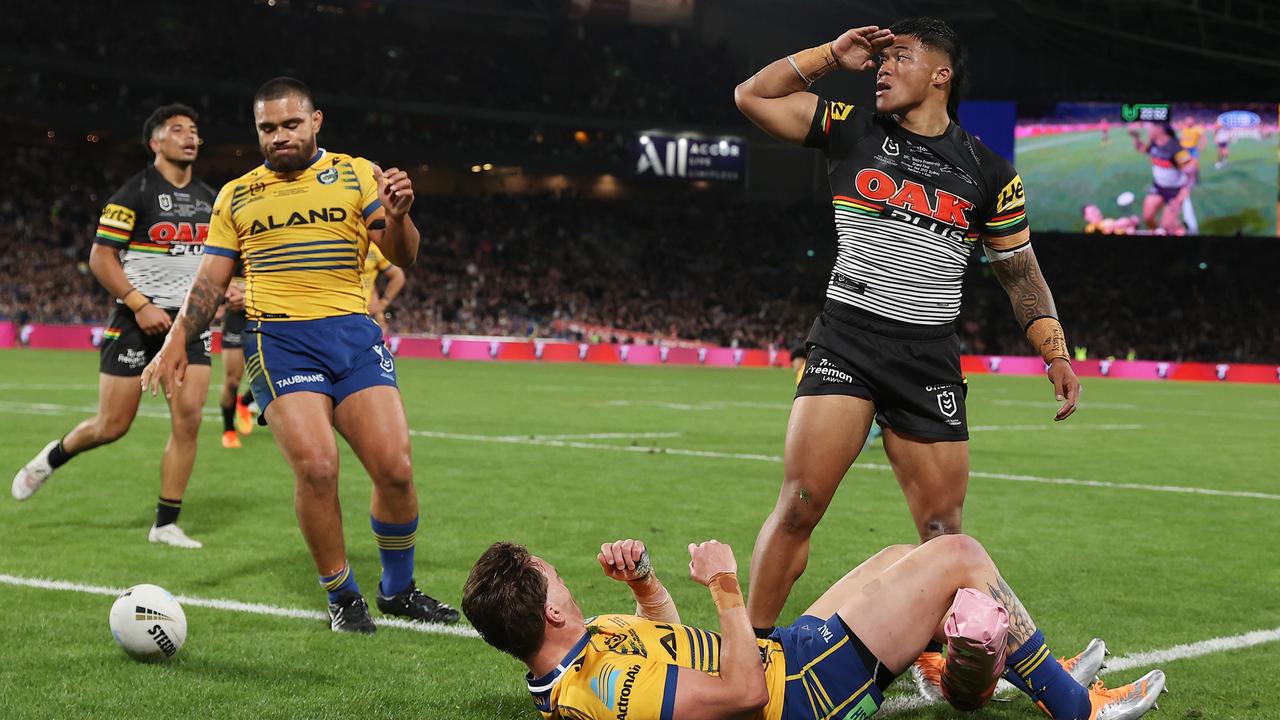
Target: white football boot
[(171, 534), (33, 474)]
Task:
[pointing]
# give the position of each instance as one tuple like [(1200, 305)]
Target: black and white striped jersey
[(908, 211), (160, 231)]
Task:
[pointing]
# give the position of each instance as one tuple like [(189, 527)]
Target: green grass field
[(1144, 569), (1064, 172)]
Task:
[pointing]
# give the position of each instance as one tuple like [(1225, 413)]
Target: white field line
[(600, 436), (144, 410), (1054, 427), (237, 606), (708, 405), (894, 706), (714, 454), (1152, 658), (1129, 406), (47, 386)]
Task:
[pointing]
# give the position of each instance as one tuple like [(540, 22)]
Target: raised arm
[(1033, 307), (628, 561), (777, 98), (740, 689), (398, 237)]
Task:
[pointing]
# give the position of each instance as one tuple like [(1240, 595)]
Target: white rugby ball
[(148, 623), (1125, 199)]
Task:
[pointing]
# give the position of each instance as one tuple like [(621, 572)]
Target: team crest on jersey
[(840, 111), (166, 201), (328, 177)]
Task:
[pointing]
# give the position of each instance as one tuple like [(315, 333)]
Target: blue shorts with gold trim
[(827, 672), (336, 356)]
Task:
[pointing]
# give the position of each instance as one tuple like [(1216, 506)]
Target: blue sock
[(395, 546), (1035, 671), (339, 583)]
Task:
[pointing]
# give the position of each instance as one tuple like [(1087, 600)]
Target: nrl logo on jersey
[(166, 201)]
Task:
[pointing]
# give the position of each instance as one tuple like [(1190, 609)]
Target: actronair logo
[(604, 683), (141, 613), (298, 379)]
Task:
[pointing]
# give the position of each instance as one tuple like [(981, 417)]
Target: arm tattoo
[(1028, 291), (1021, 627), (202, 303)]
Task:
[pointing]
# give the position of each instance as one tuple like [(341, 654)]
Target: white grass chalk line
[(1153, 658), (600, 436), (1053, 428), (237, 606), (714, 454), (894, 706)]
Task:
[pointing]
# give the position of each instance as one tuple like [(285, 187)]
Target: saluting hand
[(857, 49), (395, 190)]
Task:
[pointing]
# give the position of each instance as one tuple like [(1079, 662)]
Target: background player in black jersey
[(148, 245), (912, 193)]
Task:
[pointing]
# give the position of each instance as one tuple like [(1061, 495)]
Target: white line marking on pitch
[(1054, 428), (237, 606), (577, 445), (893, 706), (156, 411), (598, 436), (47, 386), (1151, 658), (708, 405)]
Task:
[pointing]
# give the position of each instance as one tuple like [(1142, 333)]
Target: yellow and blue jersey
[(303, 237), (627, 666), (374, 263)]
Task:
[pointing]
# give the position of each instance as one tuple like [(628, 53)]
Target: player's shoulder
[(129, 192), (335, 159)]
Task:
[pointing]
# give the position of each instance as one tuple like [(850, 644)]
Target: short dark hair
[(282, 87), (504, 599), (936, 34), (162, 115)]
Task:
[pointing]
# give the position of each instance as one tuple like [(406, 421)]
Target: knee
[(112, 428), (961, 551), (318, 474), (799, 509), (937, 526), (186, 424), (396, 474)]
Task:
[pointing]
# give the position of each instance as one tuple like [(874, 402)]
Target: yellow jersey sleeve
[(223, 238), (370, 205), (611, 687)]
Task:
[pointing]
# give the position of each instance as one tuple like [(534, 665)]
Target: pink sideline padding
[(977, 629)]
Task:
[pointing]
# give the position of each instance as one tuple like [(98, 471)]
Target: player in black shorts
[(236, 418), (913, 194), (149, 242)]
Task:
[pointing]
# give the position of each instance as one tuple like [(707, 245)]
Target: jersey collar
[(540, 688), (314, 159)]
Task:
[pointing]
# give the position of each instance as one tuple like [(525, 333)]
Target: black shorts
[(126, 350), (911, 372), (233, 323)]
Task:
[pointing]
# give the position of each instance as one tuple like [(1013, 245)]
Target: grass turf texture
[(1144, 570), (1062, 173)]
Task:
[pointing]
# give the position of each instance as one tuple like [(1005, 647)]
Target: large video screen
[(1150, 169)]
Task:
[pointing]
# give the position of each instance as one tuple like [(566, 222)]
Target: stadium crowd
[(715, 269), (546, 66)]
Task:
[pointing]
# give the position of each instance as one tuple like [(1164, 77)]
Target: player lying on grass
[(835, 661)]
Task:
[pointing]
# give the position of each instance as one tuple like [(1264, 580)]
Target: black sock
[(933, 646), (167, 511), (228, 418), (59, 456), (247, 397)]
